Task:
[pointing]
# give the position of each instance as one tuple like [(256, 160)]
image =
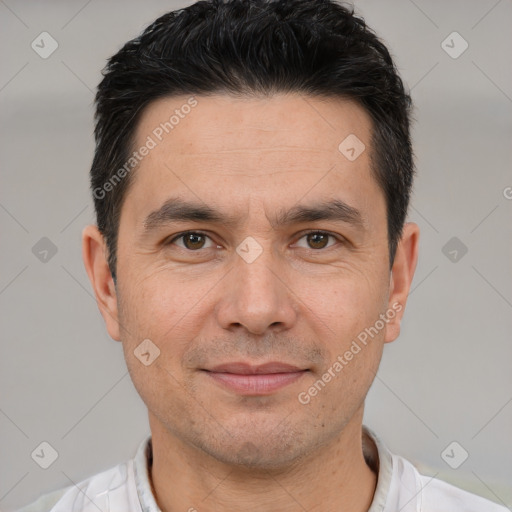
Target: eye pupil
[(318, 240), (193, 241)]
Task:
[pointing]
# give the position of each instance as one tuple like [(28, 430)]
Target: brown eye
[(318, 240), (192, 241)]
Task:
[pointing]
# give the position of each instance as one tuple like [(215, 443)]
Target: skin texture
[(302, 301)]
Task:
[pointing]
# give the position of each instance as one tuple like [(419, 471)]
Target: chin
[(257, 447), (258, 457)]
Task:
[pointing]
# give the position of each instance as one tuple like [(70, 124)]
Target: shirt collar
[(376, 454), (380, 460), (142, 465)]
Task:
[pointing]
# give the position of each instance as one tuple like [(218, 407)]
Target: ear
[(402, 274), (94, 253)]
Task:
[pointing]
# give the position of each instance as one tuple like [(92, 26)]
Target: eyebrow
[(177, 209), (335, 210)]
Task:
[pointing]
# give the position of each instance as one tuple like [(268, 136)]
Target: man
[(251, 180)]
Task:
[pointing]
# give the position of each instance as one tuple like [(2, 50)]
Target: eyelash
[(319, 232)]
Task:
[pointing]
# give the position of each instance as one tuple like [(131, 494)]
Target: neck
[(335, 477)]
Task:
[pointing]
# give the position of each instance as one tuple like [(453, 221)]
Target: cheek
[(169, 311), (345, 305), (153, 310), (161, 300)]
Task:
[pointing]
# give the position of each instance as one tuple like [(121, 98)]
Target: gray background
[(448, 376)]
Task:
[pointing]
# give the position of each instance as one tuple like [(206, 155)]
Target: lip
[(256, 380), (241, 368)]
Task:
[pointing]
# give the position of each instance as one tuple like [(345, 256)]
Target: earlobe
[(94, 255), (402, 274)]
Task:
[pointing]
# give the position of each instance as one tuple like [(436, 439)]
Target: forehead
[(227, 150), (221, 123)]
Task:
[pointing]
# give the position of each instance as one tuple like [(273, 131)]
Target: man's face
[(259, 286)]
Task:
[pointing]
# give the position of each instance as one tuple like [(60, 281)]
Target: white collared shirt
[(400, 487)]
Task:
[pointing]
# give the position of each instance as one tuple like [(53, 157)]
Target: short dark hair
[(253, 47)]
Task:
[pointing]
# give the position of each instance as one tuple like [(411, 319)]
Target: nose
[(257, 296)]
